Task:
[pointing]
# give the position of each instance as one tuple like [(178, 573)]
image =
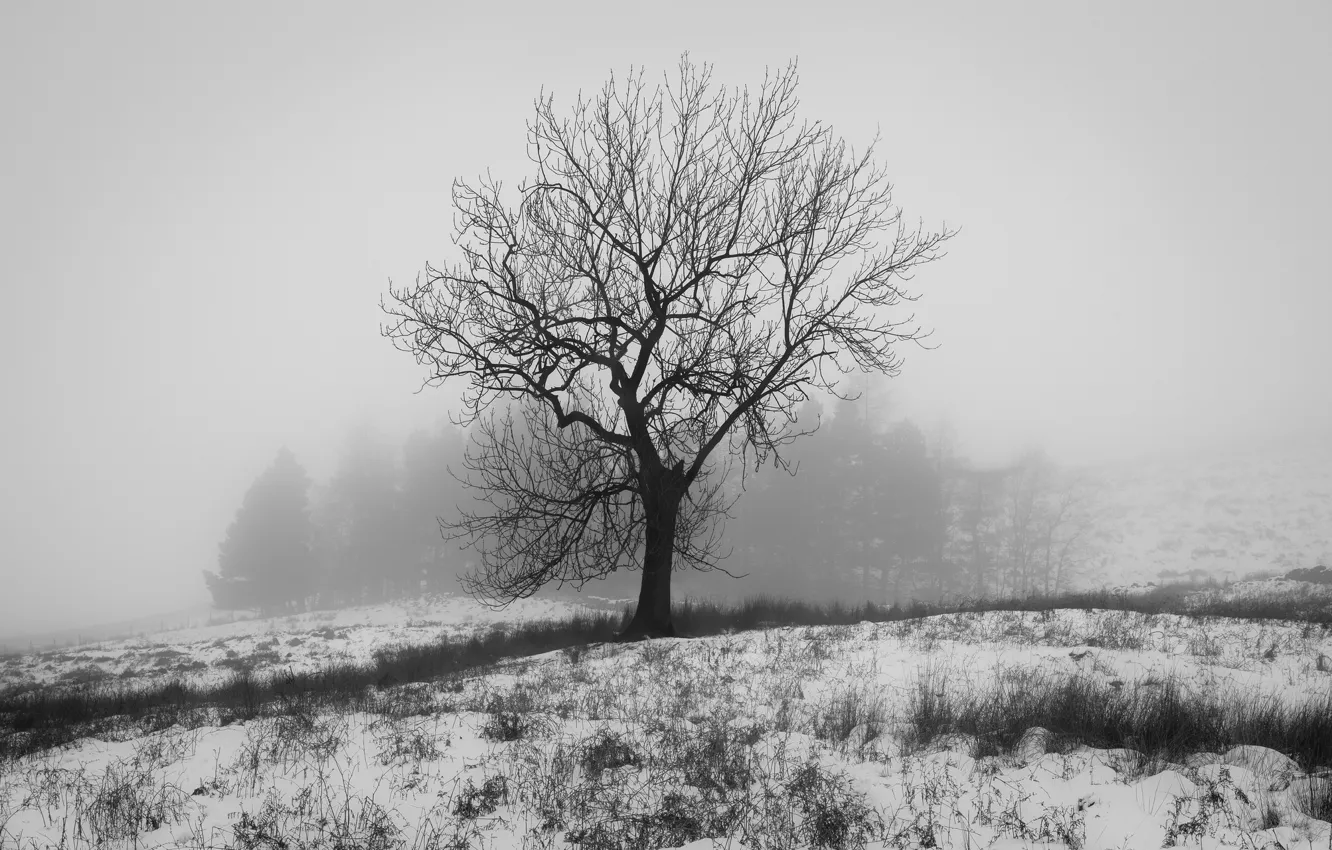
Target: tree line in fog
[(867, 511), (888, 514)]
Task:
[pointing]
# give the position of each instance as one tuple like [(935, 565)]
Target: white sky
[(200, 206)]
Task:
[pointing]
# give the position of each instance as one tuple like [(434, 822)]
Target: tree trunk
[(661, 508), (883, 579)]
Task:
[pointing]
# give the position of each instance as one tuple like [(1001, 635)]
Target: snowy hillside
[(776, 739), (297, 643), (1219, 516)]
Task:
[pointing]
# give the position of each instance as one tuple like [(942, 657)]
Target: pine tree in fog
[(377, 533), (910, 522), (360, 528), (779, 532), (862, 519), (429, 491), (265, 559)]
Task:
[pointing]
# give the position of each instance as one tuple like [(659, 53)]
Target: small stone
[(858, 736), (1033, 744)]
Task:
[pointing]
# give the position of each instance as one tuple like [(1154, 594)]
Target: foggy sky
[(203, 204)]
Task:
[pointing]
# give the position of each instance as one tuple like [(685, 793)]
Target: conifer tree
[(265, 559)]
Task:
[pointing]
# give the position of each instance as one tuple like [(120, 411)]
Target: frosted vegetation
[(1063, 726)]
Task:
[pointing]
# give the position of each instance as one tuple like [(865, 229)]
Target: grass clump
[(851, 717), (609, 751), (129, 801), (474, 802), (1161, 717), (832, 814)]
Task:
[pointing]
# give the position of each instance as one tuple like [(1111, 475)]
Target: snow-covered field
[(1224, 514), (299, 642), (781, 738)]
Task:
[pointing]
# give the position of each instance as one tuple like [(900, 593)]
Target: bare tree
[(1045, 529), (1025, 503), (663, 289), (1067, 533)]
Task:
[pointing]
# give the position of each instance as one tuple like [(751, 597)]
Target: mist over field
[(205, 206)]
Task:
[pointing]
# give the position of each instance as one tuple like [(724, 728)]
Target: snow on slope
[(1226, 515), (299, 642), (683, 741)]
